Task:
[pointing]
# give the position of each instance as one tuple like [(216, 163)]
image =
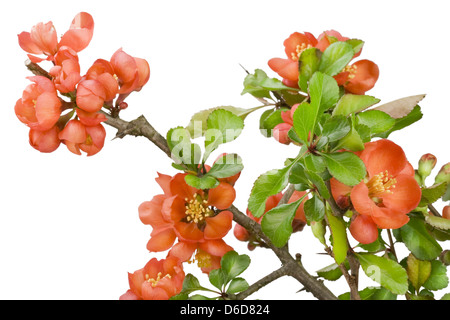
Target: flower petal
[(405, 196), (286, 68), (366, 76), (80, 32), (161, 239), (222, 196), (218, 226)]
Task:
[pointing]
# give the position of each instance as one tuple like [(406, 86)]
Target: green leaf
[(438, 222), (217, 278), (226, 166), (351, 103), (353, 140), (222, 126), (418, 271), (197, 124), (446, 296), (331, 272), (400, 123), (191, 284), (417, 239), (335, 58), (324, 92), (259, 84), (237, 285), (386, 272), (203, 182), (438, 278), (277, 222), (182, 150), (335, 128), (356, 44), (377, 121), (338, 232), (308, 63), (233, 264), (371, 294), (318, 182), (269, 119), (314, 209), (267, 184), (432, 194), (346, 167)]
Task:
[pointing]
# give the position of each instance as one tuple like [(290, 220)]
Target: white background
[(69, 226)]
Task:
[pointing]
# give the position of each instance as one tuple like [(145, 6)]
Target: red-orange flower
[(133, 73), (43, 39), (281, 130), (102, 71), (187, 213), (158, 280), (208, 253), (91, 95), (39, 108), (78, 137), (389, 191), (45, 141), (66, 72), (359, 77), (294, 45)]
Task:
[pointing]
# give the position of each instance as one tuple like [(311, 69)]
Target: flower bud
[(446, 212), (443, 174), (426, 163)]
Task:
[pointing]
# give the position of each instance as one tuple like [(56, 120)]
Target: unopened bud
[(426, 163), (443, 174), (446, 212), (123, 105)]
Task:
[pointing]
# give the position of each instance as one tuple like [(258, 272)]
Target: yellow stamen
[(154, 282), (298, 51), (381, 183), (352, 70), (197, 209), (203, 259)]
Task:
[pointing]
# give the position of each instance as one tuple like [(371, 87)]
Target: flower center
[(203, 259), (197, 209), (298, 51), (381, 183), (89, 140), (153, 281), (351, 70)]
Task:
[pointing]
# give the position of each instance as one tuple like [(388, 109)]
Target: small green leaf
[(191, 284), (259, 84), (438, 222), (371, 294), (438, 278), (233, 264), (226, 166), (267, 184), (418, 271), (386, 272), (182, 150), (400, 123), (346, 167), (314, 209), (356, 44), (237, 285), (335, 58), (331, 272), (352, 141), (277, 222), (304, 120), (352, 103), (217, 278), (197, 124), (318, 182), (222, 126), (269, 119), (417, 239), (432, 194), (324, 92), (338, 232), (203, 182), (308, 63)]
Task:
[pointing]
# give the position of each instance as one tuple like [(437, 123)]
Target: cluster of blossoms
[(190, 223), (64, 106), (357, 78)]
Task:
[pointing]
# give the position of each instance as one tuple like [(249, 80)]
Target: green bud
[(426, 163), (443, 174)]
